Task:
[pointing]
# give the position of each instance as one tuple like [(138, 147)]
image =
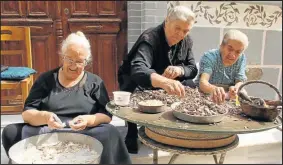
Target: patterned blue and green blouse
[(211, 63)]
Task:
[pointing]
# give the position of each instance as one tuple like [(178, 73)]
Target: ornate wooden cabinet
[(103, 22)]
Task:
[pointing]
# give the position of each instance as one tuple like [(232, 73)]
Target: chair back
[(13, 33)]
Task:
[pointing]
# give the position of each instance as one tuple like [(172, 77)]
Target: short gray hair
[(181, 13), (236, 35), (77, 38)]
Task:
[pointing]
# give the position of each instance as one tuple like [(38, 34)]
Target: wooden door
[(105, 25), (39, 16), (103, 22)]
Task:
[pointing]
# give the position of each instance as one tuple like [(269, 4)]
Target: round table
[(231, 124)]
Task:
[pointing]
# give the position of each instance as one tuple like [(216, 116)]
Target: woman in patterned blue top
[(224, 66)]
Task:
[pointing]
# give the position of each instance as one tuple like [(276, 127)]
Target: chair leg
[(31, 82), (29, 85), (25, 89)]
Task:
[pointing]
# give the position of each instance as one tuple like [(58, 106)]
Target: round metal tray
[(197, 119), (17, 150)]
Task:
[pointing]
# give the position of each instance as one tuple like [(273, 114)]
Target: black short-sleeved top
[(86, 97)]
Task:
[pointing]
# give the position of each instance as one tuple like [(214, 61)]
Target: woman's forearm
[(35, 117), (238, 84), (99, 118), (206, 87)]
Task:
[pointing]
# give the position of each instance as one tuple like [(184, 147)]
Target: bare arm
[(204, 84), (170, 86), (35, 117), (238, 84), (218, 93), (99, 118), (157, 80)]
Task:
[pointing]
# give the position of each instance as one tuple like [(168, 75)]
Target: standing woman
[(77, 97)]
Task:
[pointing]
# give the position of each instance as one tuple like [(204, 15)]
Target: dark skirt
[(114, 149)]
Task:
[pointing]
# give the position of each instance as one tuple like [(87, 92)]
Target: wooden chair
[(11, 33)]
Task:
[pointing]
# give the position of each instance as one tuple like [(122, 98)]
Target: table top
[(234, 124), (181, 150)]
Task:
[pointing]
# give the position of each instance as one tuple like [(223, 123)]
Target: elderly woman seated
[(224, 67), (74, 95)]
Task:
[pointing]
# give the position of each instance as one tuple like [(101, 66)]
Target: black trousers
[(132, 127), (114, 149)]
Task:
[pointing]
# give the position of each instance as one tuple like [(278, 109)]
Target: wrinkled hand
[(173, 87), (218, 95), (52, 123), (79, 123), (172, 72), (233, 92)]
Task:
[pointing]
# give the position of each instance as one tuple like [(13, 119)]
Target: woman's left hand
[(233, 92), (172, 72), (79, 123)]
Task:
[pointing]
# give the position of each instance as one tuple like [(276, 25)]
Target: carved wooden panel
[(95, 26), (11, 8), (107, 60), (37, 8), (93, 65), (45, 58), (74, 9), (104, 59), (105, 8)]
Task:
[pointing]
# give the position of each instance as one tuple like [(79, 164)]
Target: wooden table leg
[(155, 156), (221, 160), (173, 158)]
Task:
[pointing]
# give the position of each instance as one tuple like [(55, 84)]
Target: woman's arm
[(32, 113), (96, 119), (100, 94), (35, 117), (204, 84)]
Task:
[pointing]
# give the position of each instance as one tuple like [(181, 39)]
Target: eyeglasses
[(71, 62)]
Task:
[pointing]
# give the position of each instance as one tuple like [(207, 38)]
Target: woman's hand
[(79, 123), (233, 92), (218, 95), (172, 72), (52, 123), (174, 87)]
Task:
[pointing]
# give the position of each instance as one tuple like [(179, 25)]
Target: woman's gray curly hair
[(181, 13), (77, 38)]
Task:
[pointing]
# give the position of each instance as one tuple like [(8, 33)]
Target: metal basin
[(17, 150), (197, 119), (145, 108)]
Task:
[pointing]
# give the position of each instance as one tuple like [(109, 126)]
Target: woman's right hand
[(174, 87), (218, 95), (52, 123)]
